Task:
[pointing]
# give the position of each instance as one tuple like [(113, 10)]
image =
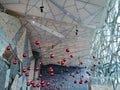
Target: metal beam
[(43, 27)]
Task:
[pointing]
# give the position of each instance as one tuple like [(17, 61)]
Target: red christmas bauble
[(99, 62), (47, 83), (37, 42), (34, 85), (75, 81), (62, 63), (31, 82), (81, 63), (24, 70), (77, 72), (38, 85), (24, 54), (64, 60), (86, 81), (51, 70), (28, 83), (67, 50), (26, 74), (41, 62), (52, 55), (94, 65), (8, 48), (28, 68), (42, 82), (14, 62), (81, 81), (67, 66), (94, 57), (37, 68), (58, 62), (40, 75), (15, 58), (71, 56), (51, 74)]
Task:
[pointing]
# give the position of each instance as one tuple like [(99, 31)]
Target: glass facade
[(106, 48)]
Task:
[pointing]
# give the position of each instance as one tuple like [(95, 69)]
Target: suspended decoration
[(94, 57), (24, 70), (24, 55), (52, 55), (37, 42), (28, 68), (26, 74), (40, 75), (75, 81), (67, 50), (14, 62), (8, 48), (36, 68), (71, 56)]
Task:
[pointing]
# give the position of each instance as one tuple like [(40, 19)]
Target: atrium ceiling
[(60, 24)]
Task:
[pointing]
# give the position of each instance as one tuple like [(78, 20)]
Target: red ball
[(52, 55), (40, 75), (99, 62), (58, 62), (94, 65), (67, 50), (82, 76), (75, 81), (37, 68), (28, 68), (77, 72), (67, 66), (85, 66), (51, 70), (51, 74), (34, 85), (28, 83), (64, 60), (8, 48), (24, 54), (71, 56), (94, 57), (24, 70), (41, 62), (86, 81), (38, 85), (62, 63), (37, 42), (81, 81), (42, 82), (81, 63), (26, 74), (14, 62), (31, 82), (47, 83), (15, 58)]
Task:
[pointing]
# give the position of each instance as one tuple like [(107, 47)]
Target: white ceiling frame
[(73, 18)]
